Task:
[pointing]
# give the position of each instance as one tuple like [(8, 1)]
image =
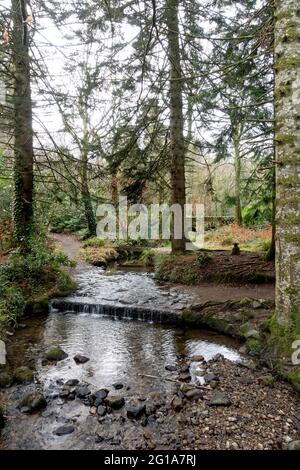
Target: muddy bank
[(215, 266)]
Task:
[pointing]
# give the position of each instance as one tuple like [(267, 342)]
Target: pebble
[(64, 430)]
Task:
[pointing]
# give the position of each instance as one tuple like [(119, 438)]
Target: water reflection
[(123, 350)]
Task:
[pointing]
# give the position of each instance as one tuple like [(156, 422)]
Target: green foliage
[(147, 257), (69, 219), (95, 242), (202, 260), (282, 337), (254, 346), (98, 256), (28, 276), (266, 244), (257, 214), (294, 378)]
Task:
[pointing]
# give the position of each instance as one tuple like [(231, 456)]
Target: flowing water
[(96, 322)]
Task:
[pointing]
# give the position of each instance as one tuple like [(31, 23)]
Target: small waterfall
[(117, 311)]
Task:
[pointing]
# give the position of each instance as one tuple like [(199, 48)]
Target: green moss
[(286, 159), (94, 241), (281, 338), (245, 301), (282, 90), (291, 220), (294, 378), (199, 320), (254, 346), (23, 375), (287, 63), (284, 13), (5, 379), (147, 258), (244, 328), (289, 182), (293, 238), (292, 33), (55, 354)]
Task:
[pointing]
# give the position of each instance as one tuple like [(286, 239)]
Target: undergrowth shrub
[(94, 241), (27, 276)]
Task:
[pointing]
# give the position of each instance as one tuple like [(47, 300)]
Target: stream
[(96, 321)]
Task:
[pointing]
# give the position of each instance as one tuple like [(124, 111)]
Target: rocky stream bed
[(87, 376)]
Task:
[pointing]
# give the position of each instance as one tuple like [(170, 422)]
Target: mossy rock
[(254, 346), (267, 380), (245, 301), (32, 402), (191, 318), (221, 325), (23, 375), (5, 380), (55, 354)]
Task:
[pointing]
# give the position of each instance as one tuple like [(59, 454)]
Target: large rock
[(101, 411), (184, 388), (64, 430), (23, 375), (82, 392), (118, 386), (198, 358), (210, 377), (32, 402), (114, 402), (79, 359), (72, 383), (185, 377), (5, 380), (55, 354), (254, 334), (99, 396), (194, 394), (135, 411), (219, 399)]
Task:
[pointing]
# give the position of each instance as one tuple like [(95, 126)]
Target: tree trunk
[(23, 134), (86, 196), (270, 256), (114, 188), (177, 144), (237, 168), (287, 111), (85, 192)]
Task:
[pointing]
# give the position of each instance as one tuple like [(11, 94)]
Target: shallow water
[(123, 287), (120, 350)]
